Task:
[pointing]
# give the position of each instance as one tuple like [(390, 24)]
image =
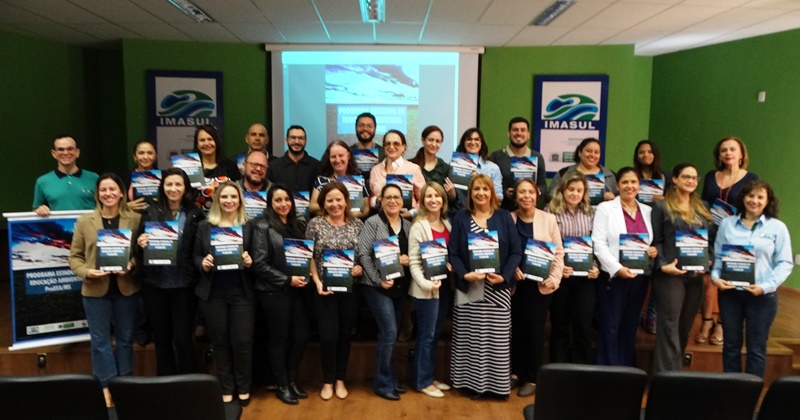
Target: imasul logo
[(186, 103), (571, 107)]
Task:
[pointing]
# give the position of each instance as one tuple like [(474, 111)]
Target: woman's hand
[(404, 260), (672, 269), (321, 289), (755, 289), (298, 281), (625, 273), (94, 273), (449, 267), (723, 284), (436, 284), (247, 260), (138, 205), (652, 252), (494, 278), (594, 273), (405, 214), (387, 284), (208, 263), (608, 196), (142, 240), (548, 283), (567, 271), (658, 198), (519, 275), (474, 276), (450, 189), (356, 270)]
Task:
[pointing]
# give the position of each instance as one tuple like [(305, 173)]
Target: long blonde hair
[(215, 213), (696, 209), (423, 211), (558, 205)]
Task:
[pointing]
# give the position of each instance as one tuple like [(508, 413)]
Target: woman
[(431, 301), (282, 296), (108, 297), (473, 142), (168, 291), (394, 145), (144, 155), (531, 299), (216, 167), (620, 290), (587, 155), (480, 362), (572, 305), (336, 312), (433, 167), (386, 299), (226, 296), (752, 307), (721, 190), (677, 292), (337, 161)]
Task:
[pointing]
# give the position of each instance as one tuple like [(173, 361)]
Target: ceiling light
[(191, 10), (552, 12), (373, 11)]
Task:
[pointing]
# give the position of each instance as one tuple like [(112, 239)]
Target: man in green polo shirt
[(67, 187)]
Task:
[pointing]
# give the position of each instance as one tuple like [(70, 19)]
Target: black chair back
[(73, 396), (196, 397), (703, 395), (782, 400)]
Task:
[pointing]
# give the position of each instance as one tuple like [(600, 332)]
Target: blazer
[(420, 231), (664, 229), (510, 248), (377, 178), (545, 228), (269, 257), (202, 247), (608, 224), (375, 228), (83, 254)]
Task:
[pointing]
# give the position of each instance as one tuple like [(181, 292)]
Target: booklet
[(462, 166), (484, 251), (597, 186), (387, 252), (524, 167), (190, 163), (298, 254), (255, 203), (434, 259), (355, 186), (721, 210), (578, 254), (240, 158), (302, 199), (336, 266), (539, 256), (739, 264), (227, 247), (145, 184), (648, 188), (113, 249), (692, 246), (365, 159), (162, 243), (406, 184), (633, 251)]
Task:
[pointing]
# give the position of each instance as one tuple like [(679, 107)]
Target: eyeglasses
[(392, 198), (689, 177), (257, 165), (65, 149), (393, 144), (296, 137)]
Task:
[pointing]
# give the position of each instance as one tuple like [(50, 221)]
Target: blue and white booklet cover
[(387, 252), (190, 163), (721, 210), (484, 251), (298, 254), (597, 186), (336, 266), (524, 167), (355, 188), (255, 202), (227, 245), (539, 256), (633, 251), (162, 243), (692, 246), (406, 184), (434, 259), (462, 166), (578, 254), (113, 249), (649, 188), (302, 199), (145, 184), (365, 159), (739, 264)]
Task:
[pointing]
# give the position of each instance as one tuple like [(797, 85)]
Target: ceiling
[(654, 26)]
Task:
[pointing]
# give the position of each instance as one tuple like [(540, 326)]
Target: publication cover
[(649, 188), (113, 249), (227, 247), (524, 167), (633, 251), (145, 184), (255, 203), (721, 210), (462, 166), (387, 252), (578, 254), (539, 256), (301, 201), (298, 254), (240, 158), (484, 251), (190, 163), (336, 266), (739, 264), (692, 246), (162, 243), (406, 184), (434, 259), (365, 159), (597, 186), (355, 186)]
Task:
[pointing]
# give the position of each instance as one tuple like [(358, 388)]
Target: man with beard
[(518, 136), (296, 169), (365, 133), (255, 172)]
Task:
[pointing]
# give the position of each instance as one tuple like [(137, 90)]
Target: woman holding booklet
[(473, 142), (433, 167), (144, 154), (621, 236), (485, 252), (429, 236), (394, 145), (538, 276), (572, 305), (109, 294), (280, 290), (383, 254), (335, 230), (338, 164), (168, 279), (226, 289), (682, 232), (752, 258), (587, 154)]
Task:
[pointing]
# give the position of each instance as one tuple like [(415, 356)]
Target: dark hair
[(387, 186), (770, 210), (63, 136), (366, 115), (419, 158), (189, 193), (583, 144), (657, 173), (399, 133), (295, 127), (624, 171), (745, 157), (325, 167), (294, 227), (696, 209), (518, 120), (123, 202), (219, 154), (141, 142), (527, 181), (483, 153), (323, 193)]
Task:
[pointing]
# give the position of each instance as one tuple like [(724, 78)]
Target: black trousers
[(171, 316), (336, 316), (529, 309), (287, 324), (678, 299), (571, 312)]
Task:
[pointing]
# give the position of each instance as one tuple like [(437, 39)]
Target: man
[(255, 172), (365, 133), (67, 187), (518, 136), (296, 169), (257, 138)]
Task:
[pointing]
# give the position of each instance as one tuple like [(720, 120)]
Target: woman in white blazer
[(622, 286)]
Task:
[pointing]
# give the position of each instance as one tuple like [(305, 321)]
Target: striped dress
[(481, 354)]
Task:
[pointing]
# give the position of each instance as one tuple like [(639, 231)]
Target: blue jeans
[(388, 312), (430, 317), (739, 309), (101, 312)]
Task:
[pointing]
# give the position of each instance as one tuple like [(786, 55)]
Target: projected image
[(349, 84)]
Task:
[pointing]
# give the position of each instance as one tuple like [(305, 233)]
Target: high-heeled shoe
[(701, 337), (716, 335)]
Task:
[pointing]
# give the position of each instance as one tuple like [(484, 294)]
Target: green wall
[(705, 94), (507, 90)]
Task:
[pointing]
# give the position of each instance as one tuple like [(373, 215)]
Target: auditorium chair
[(702, 396), (782, 400), (195, 396), (52, 397)]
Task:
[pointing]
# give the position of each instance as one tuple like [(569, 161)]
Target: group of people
[(499, 314)]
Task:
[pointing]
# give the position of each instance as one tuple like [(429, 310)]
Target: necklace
[(631, 212)]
